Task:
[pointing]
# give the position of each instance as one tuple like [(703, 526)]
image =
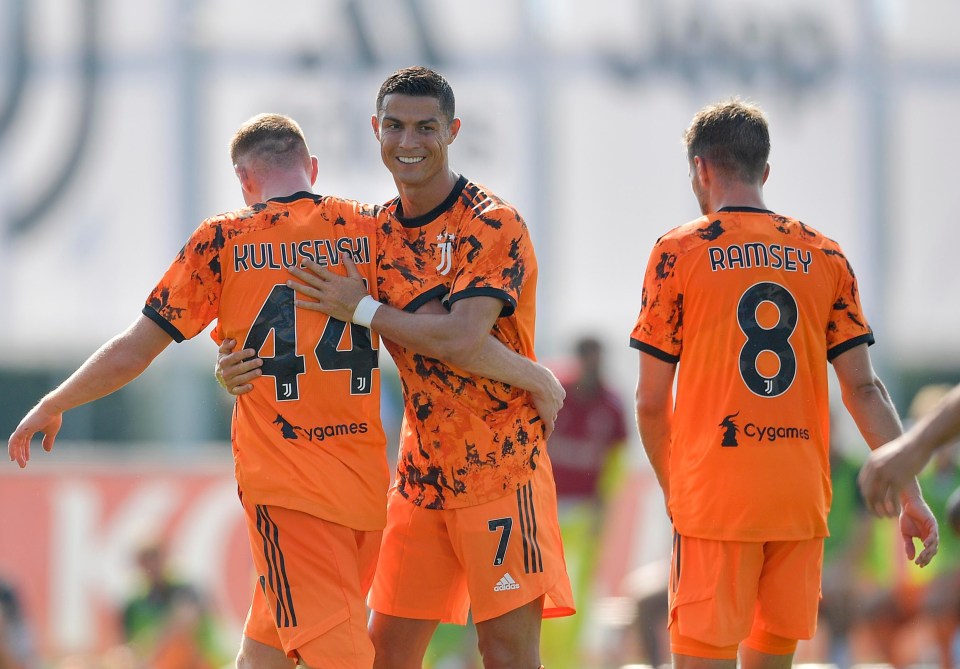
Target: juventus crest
[(445, 246)]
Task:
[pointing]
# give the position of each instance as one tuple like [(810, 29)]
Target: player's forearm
[(873, 411), (104, 372), (495, 361), (871, 408), (938, 427), (111, 367), (434, 335), (655, 426)]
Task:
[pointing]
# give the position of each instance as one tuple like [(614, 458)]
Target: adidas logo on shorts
[(506, 583)]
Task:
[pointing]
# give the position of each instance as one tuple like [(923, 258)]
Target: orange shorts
[(313, 578), (490, 558), (726, 592)]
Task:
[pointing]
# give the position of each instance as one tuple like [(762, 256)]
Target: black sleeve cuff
[(509, 304), (435, 293), (654, 351), (850, 343), (164, 324)]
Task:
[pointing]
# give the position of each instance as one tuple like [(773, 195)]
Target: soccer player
[(472, 517), (751, 305), (893, 465), (308, 444)]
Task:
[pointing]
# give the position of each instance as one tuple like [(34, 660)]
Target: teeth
[(409, 161)]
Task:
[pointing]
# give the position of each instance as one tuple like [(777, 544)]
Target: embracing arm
[(655, 416), (461, 337), (894, 464), (111, 367), (868, 403)]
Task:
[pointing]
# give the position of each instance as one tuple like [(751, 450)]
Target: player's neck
[(738, 195), (421, 198), (284, 187)]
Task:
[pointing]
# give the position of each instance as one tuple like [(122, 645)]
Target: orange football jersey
[(752, 305), (308, 436), (465, 440)]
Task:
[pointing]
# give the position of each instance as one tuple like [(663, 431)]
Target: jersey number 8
[(772, 337)]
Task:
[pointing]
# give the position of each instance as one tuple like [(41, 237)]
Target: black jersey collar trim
[(419, 221), (299, 195), (747, 210)]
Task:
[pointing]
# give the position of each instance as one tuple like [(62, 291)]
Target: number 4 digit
[(279, 316)]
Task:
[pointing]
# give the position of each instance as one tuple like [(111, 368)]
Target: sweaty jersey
[(752, 305), (465, 439), (308, 436)]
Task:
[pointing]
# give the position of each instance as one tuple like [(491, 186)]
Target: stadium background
[(114, 123)]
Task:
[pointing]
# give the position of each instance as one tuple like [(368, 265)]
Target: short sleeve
[(187, 298), (659, 327), (401, 281), (493, 256), (847, 327)]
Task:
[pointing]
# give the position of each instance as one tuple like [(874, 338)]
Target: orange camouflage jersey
[(465, 439), (751, 305), (308, 436)]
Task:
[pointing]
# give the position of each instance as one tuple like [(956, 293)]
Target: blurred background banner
[(115, 119), (71, 533)]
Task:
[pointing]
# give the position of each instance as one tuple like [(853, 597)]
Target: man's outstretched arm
[(896, 463), (111, 367)]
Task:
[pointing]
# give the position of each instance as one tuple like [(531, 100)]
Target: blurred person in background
[(165, 624), (586, 450), (647, 588), (751, 306), (16, 637)]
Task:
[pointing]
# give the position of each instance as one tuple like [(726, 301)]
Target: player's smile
[(414, 135)]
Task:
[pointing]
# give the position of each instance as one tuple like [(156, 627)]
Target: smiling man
[(473, 474)]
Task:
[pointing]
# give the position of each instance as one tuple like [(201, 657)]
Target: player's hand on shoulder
[(236, 370)]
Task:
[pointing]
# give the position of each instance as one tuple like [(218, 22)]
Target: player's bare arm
[(460, 337), (655, 416), (111, 367), (871, 408), (894, 464)]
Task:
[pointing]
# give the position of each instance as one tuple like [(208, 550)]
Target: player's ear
[(314, 169), (375, 124), (454, 129), (244, 177), (699, 169), (766, 173)]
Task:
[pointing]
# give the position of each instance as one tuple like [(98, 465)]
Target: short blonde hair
[(275, 139)]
